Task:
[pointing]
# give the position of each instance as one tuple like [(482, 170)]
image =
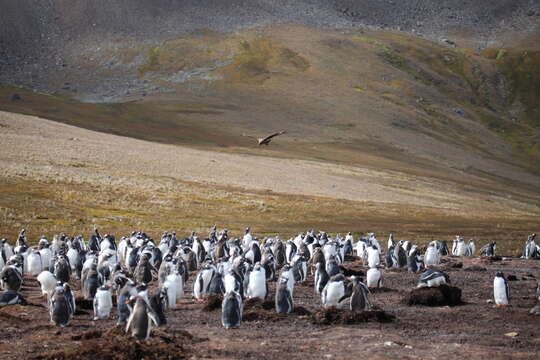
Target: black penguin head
[(499, 274)]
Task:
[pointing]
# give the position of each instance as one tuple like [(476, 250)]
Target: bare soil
[(473, 330)]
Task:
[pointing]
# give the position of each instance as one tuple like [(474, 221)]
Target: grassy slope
[(344, 97)]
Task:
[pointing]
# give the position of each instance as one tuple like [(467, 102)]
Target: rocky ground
[(474, 330)]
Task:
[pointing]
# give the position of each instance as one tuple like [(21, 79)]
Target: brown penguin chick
[(359, 297)]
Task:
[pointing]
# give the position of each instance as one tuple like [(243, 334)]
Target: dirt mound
[(475, 268), (381, 290), (337, 316), (434, 296), (114, 345), (262, 315), (349, 271), (302, 311), (82, 303), (259, 304), (212, 302)]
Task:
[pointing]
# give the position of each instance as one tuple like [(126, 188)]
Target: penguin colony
[(149, 278)]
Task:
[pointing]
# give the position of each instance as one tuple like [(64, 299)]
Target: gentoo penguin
[(231, 310), (143, 270), (471, 248), (400, 255), (414, 264), (374, 277), (284, 299), (217, 287), (530, 251), (280, 256), (257, 287), (443, 249), (299, 266), (70, 298), (169, 288), (73, 255), (318, 257), (60, 308), (461, 247), (373, 256), (431, 257), (11, 297), (538, 291), (332, 267), (321, 278), (268, 263), (432, 278), (202, 281), (48, 282), (123, 309), (157, 303), (246, 240), (233, 282), (34, 263), (290, 250), (489, 249), (139, 324), (62, 269), (359, 297), (335, 291), (11, 278), (90, 282), (391, 242), (287, 272), (390, 257), (501, 291), (103, 303), (254, 253)]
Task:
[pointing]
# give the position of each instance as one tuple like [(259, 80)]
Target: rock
[(444, 295), (512, 334), (512, 278), (535, 310)]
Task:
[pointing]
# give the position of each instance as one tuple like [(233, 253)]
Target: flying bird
[(266, 140)]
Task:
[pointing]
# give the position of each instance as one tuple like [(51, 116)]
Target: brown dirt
[(335, 316), (471, 330), (443, 295), (212, 302)]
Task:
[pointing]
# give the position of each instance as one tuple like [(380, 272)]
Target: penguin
[(11, 278), (290, 250), (217, 287), (34, 263), (390, 257), (461, 247), (359, 298), (374, 278), (231, 310), (70, 298), (432, 278), (414, 264), (246, 240), (284, 299), (59, 308), (139, 324), (279, 254), (332, 267), (335, 291), (471, 248), (11, 297), (202, 281), (321, 278), (287, 272), (489, 249), (538, 292), (46, 255), (391, 242), (157, 304), (233, 281), (254, 253), (73, 255), (501, 291), (318, 257), (400, 255), (47, 281), (373, 256), (90, 282), (122, 307), (199, 251), (102, 303), (62, 269), (443, 249), (257, 288), (267, 262), (169, 288), (431, 257), (143, 270)]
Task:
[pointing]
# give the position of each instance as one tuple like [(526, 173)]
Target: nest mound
[(212, 302), (259, 304), (346, 317), (115, 345), (434, 296)]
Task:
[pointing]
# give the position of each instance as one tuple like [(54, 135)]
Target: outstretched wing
[(266, 139)]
